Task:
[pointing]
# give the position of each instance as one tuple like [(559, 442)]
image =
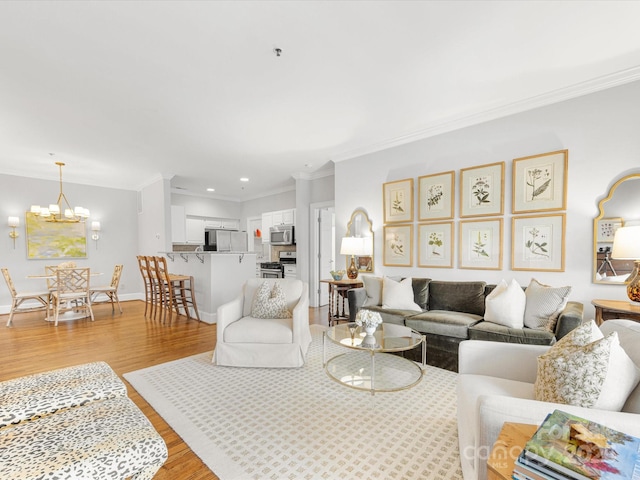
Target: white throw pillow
[(398, 295), (270, 303), (505, 305), (598, 374), (373, 287), (544, 305)]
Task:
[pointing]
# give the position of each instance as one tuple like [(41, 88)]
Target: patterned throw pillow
[(544, 305), (586, 370), (270, 303)]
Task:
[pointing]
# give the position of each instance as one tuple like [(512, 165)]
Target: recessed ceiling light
[(244, 179), (211, 189)]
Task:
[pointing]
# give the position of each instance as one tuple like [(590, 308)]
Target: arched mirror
[(619, 208), (360, 226)]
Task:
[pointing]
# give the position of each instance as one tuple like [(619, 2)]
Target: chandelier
[(61, 211)]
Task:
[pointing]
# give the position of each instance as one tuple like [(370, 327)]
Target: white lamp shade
[(626, 243), (54, 209), (352, 246), (35, 209), (95, 226), (14, 221)]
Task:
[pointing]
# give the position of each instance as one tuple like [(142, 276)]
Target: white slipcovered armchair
[(495, 385), (245, 341)]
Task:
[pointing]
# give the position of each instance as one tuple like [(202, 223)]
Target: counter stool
[(175, 291)]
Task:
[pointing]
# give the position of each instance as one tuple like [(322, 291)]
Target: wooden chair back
[(72, 281), (7, 278)]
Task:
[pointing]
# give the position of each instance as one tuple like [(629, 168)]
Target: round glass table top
[(388, 337)]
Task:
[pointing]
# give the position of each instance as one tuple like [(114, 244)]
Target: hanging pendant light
[(61, 211)]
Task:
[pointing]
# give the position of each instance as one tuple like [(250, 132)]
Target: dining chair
[(18, 298), (110, 291), (72, 291)]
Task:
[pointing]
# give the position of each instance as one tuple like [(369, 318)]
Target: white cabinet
[(290, 271), (267, 223), (195, 230), (213, 223), (279, 217), (230, 224), (222, 223), (178, 227)]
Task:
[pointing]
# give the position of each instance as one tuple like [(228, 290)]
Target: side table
[(505, 451), (337, 297), (610, 309)]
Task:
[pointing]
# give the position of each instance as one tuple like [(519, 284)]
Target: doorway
[(323, 251)]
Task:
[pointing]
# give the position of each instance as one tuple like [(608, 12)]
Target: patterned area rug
[(277, 424)]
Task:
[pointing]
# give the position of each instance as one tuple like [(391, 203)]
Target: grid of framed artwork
[(539, 185)]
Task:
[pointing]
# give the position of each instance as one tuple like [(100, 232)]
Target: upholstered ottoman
[(34, 396), (107, 439)]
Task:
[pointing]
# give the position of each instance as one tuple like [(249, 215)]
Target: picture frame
[(537, 242), (397, 198), (398, 246), (481, 244), (436, 196), (540, 182), (435, 245), (47, 240), (607, 229), (482, 190)]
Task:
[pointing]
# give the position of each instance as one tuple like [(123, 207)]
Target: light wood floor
[(126, 342)]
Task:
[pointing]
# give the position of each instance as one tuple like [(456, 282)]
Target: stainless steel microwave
[(282, 235)]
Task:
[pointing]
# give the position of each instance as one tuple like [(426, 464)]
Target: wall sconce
[(13, 223), (95, 228)]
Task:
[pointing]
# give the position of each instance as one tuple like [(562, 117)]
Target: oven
[(271, 270)]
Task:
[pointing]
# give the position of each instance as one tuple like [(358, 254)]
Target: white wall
[(207, 207), (599, 130), (118, 243)]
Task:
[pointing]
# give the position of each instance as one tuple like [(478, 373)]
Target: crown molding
[(456, 123)]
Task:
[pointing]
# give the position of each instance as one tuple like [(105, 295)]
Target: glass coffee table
[(367, 364)]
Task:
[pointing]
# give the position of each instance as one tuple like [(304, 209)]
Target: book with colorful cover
[(582, 449)]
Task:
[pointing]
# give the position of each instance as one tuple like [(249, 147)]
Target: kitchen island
[(218, 276)]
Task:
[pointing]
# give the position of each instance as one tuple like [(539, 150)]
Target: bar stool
[(176, 291), (143, 265)]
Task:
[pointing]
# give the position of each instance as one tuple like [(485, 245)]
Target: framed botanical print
[(540, 182), (435, 197), (398, 249), (481, 244), (435, 245), (607, 229), (537, 243), (482, 190), (398, 201)]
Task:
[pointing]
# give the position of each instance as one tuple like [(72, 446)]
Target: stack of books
[(569, 447)]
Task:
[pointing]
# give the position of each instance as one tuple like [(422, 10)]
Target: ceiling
[(124, 92)]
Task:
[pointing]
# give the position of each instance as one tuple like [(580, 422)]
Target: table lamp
[(626, 246), (352, 246)]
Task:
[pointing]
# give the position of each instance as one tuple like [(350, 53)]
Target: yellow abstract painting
[(55, 239)]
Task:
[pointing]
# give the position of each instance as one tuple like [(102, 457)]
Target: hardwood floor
[(126, 342)]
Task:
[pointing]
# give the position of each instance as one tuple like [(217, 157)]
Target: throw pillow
[(582, 335), (398, 295), (373, 287), (270, 303), (596, 375), (544, 305), (505, 305)]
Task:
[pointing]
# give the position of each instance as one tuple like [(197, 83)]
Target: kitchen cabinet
[(195, 230), (267, 223), (279, 217), (222, 223), (230, 224), (213, 223), (178, 226)]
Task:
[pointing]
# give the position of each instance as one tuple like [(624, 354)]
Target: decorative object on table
[(337, 274), (61, 211), (607, 228), (360, 226), (353, 246), (435, 245), (55, 239), (481, 244), (537, 243), (574, 447), (436, 196), (626, 245), (398, 201), (368, 320), (482, 190), (398, 247), (14, 222), (540, 182)]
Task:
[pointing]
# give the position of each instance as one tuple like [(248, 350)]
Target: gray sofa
[(453, 312)]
